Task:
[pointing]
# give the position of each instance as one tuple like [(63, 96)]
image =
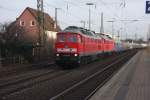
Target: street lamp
[(89, 4)]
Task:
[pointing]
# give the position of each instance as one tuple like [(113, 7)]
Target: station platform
[(131, 82)]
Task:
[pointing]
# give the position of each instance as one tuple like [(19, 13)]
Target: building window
[(32, 23), (53, 25), (22, 23)]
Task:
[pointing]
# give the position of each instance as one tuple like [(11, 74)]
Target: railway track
[(19, 69), (29, 86), (26, 80), (27, 75), (85, 88)]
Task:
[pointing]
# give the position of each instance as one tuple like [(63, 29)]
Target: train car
[(108, 43), (76, 45)]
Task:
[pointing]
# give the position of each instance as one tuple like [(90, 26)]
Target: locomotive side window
[(79, 39)]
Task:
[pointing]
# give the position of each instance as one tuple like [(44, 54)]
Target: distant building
[(26, 25)]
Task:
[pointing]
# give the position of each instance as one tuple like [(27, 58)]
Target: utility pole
[(126, 21), (56, 21), (0, 59), (148, 35), (40, 19), (118, 35), (135, 37), (83, 23), (89, 4), (102, 24)]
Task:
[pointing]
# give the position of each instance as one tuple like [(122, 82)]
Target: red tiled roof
[(47, 22)]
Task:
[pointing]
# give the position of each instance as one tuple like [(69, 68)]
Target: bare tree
[(14, 41)]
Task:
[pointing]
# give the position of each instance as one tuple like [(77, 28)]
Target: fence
[(12, 60)]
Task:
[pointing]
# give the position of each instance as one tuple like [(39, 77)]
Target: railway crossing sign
[(147, 7)]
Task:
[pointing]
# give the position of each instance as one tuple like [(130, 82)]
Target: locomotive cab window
[(61, 38), (72, 38)]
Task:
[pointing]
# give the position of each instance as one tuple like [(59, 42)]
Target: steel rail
[(86, 79)]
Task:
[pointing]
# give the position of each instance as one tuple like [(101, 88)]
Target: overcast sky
[(73, 11)]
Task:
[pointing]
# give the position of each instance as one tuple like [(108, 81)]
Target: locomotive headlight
[(75, 54), (57, 54)]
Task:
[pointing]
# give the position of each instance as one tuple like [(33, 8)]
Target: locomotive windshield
[(67, 38), (61, 37), (72, 38)]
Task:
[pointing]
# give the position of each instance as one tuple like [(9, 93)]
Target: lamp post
[(89, 4)]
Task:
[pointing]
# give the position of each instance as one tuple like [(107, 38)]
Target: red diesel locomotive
[(76, 45)]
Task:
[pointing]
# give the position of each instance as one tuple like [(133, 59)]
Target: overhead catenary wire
[(78, 6), (83, 7), (108, 8), (66, 12), (73, 15)]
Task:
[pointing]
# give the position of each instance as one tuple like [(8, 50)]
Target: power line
[(74, 4), (78, 6), (74, 16), (63, 11), (111, 11)]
